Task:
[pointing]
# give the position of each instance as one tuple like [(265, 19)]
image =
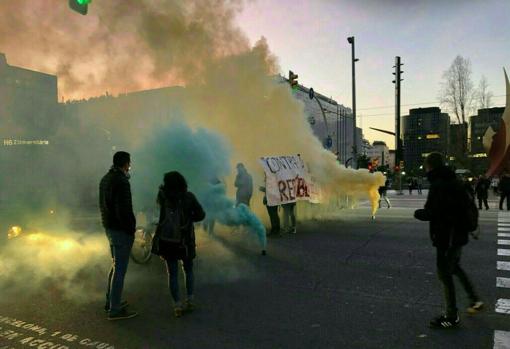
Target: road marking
[(503, 242), (503, 282), (503, 229), (504, 235), (503, 306), (503, 265), (503, 252), (501, 340)]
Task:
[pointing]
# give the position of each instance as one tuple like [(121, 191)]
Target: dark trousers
[(484, 201), (120, 248), (274, 218), (289, 216), (448, 264), (504, 195), (172, 267)]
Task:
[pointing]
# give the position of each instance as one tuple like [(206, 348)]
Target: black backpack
[(467, 214)]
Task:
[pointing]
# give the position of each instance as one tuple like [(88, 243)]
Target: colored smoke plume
[(201, 157)]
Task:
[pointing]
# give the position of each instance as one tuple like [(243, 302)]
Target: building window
[(433, 136)]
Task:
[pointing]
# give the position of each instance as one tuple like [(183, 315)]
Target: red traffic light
[(397, 168)]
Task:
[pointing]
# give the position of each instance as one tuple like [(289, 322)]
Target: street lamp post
[(350, 40)]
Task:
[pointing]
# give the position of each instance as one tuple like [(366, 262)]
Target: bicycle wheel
[(142, 246)]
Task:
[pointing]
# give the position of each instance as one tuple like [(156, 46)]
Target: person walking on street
[(244, 185), (410, 184), (482, 192), (420, 185), (448, 235), (383, 193), (504, 191), (174, 239), (289, 217), (119, 223)]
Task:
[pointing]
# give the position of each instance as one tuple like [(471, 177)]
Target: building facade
[(336, 122), (424, 130), (379, 153), (29, 118), (485, 118)]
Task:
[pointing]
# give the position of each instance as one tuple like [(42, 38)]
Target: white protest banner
[(287, 179)]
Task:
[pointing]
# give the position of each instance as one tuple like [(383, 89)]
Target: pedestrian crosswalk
[(502, 338)]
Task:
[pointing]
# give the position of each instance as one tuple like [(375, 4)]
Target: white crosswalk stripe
[(502, 338), (503, 265)]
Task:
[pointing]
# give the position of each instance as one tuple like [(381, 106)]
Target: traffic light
[(329, 142), (370, 167), (293, 80), (397, 168), (80, 6)]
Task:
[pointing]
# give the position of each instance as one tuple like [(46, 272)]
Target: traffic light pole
[(398, 139), (354, 130)]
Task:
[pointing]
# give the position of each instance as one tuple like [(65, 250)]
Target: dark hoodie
[(442, 207)]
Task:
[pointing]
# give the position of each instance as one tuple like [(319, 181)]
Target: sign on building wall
[(287, 179)]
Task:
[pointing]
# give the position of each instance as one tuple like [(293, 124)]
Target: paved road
[(345, 282)]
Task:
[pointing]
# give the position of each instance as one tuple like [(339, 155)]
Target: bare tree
[(457, 91), (484, 96)]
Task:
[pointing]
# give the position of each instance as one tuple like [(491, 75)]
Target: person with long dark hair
[(174, 240)]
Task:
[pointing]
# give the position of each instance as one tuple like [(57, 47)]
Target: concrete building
[(380, 153), (336, 122), (457, 144), (425, 130), (391, 160), (29, 115), (485, 118)]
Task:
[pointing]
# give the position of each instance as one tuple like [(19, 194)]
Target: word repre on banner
[(287, 179)]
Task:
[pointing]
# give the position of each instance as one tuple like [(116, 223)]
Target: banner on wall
[(287, 179)]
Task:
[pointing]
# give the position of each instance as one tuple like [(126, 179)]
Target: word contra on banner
[(287, 179)]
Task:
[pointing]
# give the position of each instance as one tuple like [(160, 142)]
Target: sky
[(310, 38)]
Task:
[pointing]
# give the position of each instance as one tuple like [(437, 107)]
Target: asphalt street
[(343, 282)]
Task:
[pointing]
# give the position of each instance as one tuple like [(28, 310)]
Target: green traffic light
[(83, 2)]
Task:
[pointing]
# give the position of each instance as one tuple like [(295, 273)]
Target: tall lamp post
[(350, 39)]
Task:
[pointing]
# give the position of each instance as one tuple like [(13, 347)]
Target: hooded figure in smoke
[(244, 185)]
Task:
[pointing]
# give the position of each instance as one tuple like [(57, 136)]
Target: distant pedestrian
[(443, 209), (410, 185), (120, 224), (504, 190), (383, 193), (216, 186), (420, 185), (244, 185), (274, 218), (174, 240), (495, 184), (482, 192), (289, 217)]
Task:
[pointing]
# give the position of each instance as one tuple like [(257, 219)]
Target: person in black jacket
[(440, 210), (482, 192), (504, 190), (175, 237), (119, 223)]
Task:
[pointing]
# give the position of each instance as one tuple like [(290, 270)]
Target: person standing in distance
[(446, 195), (120, 224)]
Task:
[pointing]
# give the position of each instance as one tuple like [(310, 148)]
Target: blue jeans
[(173, 277), (120, 248)]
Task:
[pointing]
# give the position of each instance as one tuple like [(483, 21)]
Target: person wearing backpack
[(174, 239), (451, 214)]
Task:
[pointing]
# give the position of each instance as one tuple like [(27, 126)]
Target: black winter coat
[(441, 209), (192, 212), (115, 202), (482, 188)]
